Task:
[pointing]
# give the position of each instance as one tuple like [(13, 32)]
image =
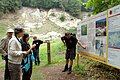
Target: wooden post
[(77, 59), (48, 52)]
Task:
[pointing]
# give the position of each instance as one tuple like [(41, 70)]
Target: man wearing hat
[(4, 51)]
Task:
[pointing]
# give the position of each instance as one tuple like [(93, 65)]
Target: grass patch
[(36, 74), (56, 57), (3, 29), (57, 50), (62, 18), (1, 63), (79, 69)]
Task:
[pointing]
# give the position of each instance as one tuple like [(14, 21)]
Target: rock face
[(33, 18), (38, 21), (69, 23)]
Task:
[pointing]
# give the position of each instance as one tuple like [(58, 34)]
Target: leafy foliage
[(62, 18), (101, 5), (71, 6), (3, 29), (79, 69), (7, 6)]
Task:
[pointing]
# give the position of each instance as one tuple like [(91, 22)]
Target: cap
[(10, 30)]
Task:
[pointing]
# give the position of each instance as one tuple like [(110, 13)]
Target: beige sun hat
[(10, 30)]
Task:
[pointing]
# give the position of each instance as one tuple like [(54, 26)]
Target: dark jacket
[(71, 42), (37, 42)]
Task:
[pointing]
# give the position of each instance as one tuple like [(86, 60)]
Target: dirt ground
[(1, 74), (93, 71), (2, 70), (54, 72)]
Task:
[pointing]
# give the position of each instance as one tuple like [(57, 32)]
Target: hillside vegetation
[(71, 6), (3, 29), (41, 22)]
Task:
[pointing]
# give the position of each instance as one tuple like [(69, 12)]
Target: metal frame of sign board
[(97, 60)]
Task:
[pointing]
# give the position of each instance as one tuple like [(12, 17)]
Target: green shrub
[(79, 69), (62, 18), (3, 29), (52, 14)]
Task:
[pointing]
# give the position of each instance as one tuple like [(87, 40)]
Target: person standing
[(15, 54), (70, 42), (101, 49), (36, 49), (4, 50), (27, 59)]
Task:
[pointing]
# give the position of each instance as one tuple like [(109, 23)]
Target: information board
[(101, 34), (114, 36)]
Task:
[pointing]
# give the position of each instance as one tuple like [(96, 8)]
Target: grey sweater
[(14, 51)]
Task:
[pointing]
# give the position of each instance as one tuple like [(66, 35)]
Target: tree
[(7, 6), (73, 6), (101, 5)]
